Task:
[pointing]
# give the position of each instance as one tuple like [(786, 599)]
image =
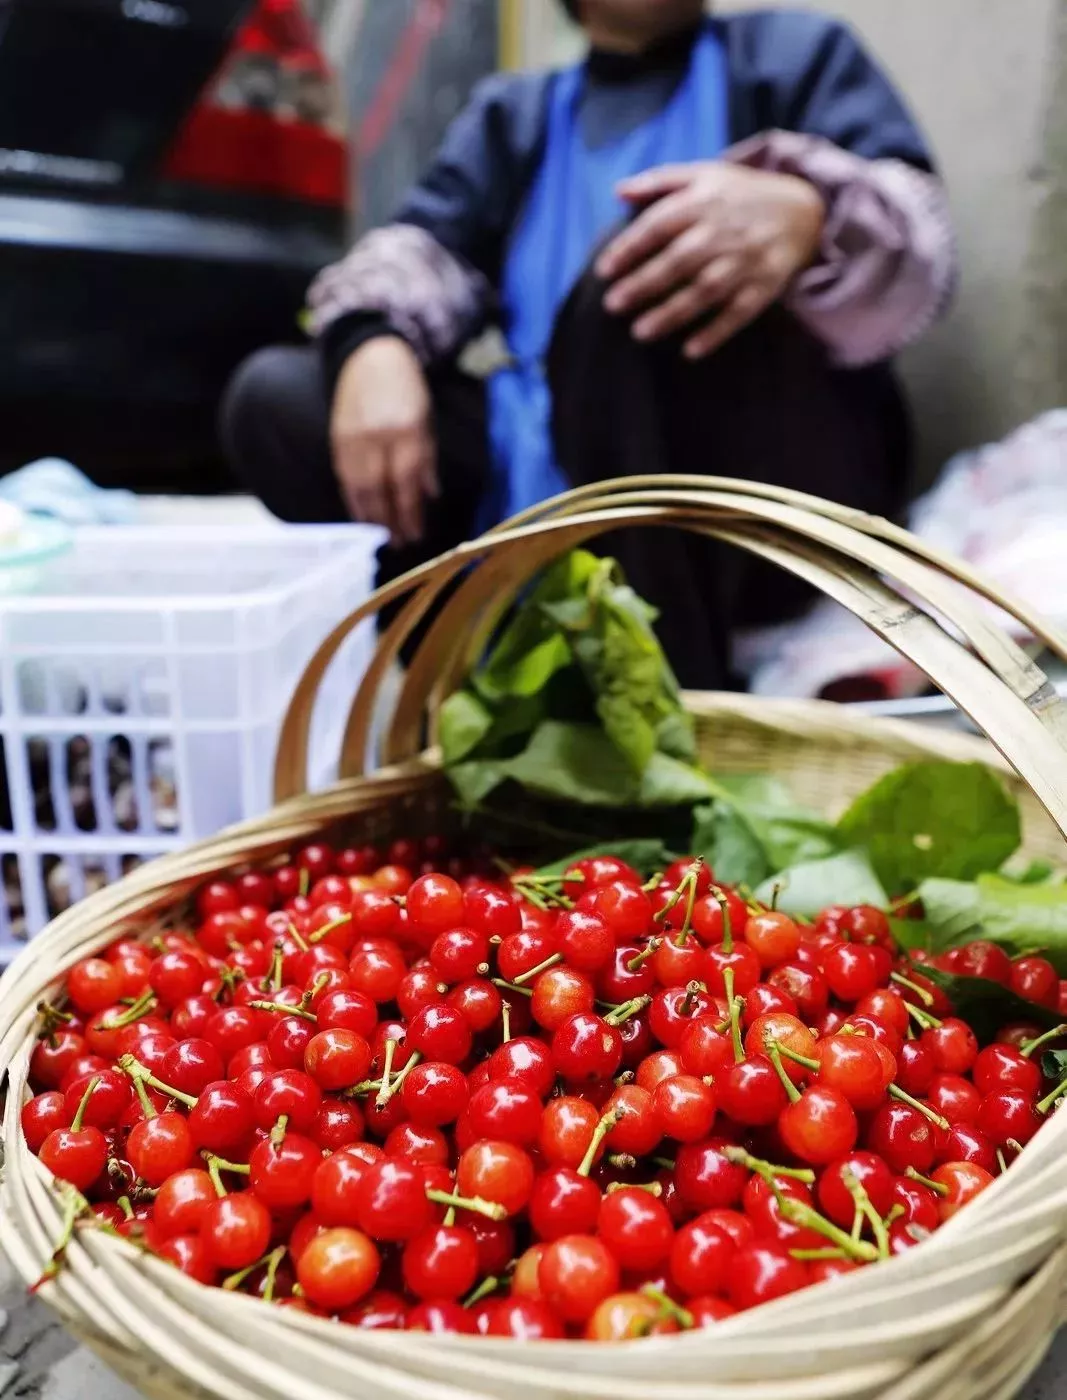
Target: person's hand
[(712, 236), (384, 454)]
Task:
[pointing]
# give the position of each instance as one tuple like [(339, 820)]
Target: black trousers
[(767, 407)]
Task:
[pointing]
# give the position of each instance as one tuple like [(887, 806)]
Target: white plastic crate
[(142, 686)]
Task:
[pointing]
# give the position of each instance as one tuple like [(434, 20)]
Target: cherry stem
[(386, 1092), (271, 981), (687, 886), (320, 933), (387, 1068), (312, 992), (924, 996), (90, 1090), (450, 1217), (937, 1187), (623, 1161), (74, 1203), (283, 1010), (924, 1020), (277, 1133), (894, 1215), (600, 1132), (767, 1170), (626, 1011), (145, 1003), (505, 1017), (533, 972), (305, 882), (865, 1211), (148, 1108), (776, 894), (512, 987), (1002, 1161), (485, 1289), (692, 991), (1047, 1104), (669, 1307), (727, 922), (1028, 1048), (805, 1060), (297, 937), (896, 1092), (275, 1257), (217, 1165), (652, 883), (643, 956), (492, 1209), (816, 1256), (735, 1014), (774, 1055), (798, 1213), (130, 1065), (653, 1188), (667, 1163)]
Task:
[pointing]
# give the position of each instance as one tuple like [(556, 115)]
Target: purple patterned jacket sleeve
[(887, 269), (432, 298)]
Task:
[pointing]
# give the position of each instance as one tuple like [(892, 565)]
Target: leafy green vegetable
[(729, 845), (575, 702), (648, 856), (1023, 918), (933, 820), (988, 1006), (755, 829), (809, 888)]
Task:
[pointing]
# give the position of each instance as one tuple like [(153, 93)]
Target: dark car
[(172, 174)]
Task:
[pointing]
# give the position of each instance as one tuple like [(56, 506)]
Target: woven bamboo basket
[(970, 1313)]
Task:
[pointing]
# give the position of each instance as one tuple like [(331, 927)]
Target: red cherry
[(576, 1274), (762, 1272), (563, 1203), (338, 1268), (441, 1262)]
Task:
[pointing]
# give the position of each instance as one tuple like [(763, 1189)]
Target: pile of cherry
[(413, 1092)]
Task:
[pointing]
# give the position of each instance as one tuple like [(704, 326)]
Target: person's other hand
[(384, 454), (710, 237)]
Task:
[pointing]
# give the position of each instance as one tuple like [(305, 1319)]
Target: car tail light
[(271, 121)]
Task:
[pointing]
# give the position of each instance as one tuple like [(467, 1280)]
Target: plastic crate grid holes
[(139, 712)]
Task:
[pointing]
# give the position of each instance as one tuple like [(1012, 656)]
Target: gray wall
[(982, 76), (461, 53)]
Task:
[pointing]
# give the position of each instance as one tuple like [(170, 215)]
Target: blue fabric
[(571, 208), (53, 487)]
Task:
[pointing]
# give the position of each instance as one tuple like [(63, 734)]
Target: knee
[(252, 401)]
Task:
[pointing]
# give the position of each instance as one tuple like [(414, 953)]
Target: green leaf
[(936, 819), (463, 724), (575, 762), (1054, 1065), (474, 781), (952, 912), (727, 842), (666, 782), (808, 889), (988, 1006), (913, 934), (647, 855), (1033, 872), (1023, 918), (531, 648)]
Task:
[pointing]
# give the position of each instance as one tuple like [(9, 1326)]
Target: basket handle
[(868, 565)]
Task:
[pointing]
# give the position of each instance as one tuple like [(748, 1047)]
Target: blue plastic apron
[(571, 208)]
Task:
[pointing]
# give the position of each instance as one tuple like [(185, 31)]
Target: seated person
[(703, 244)]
